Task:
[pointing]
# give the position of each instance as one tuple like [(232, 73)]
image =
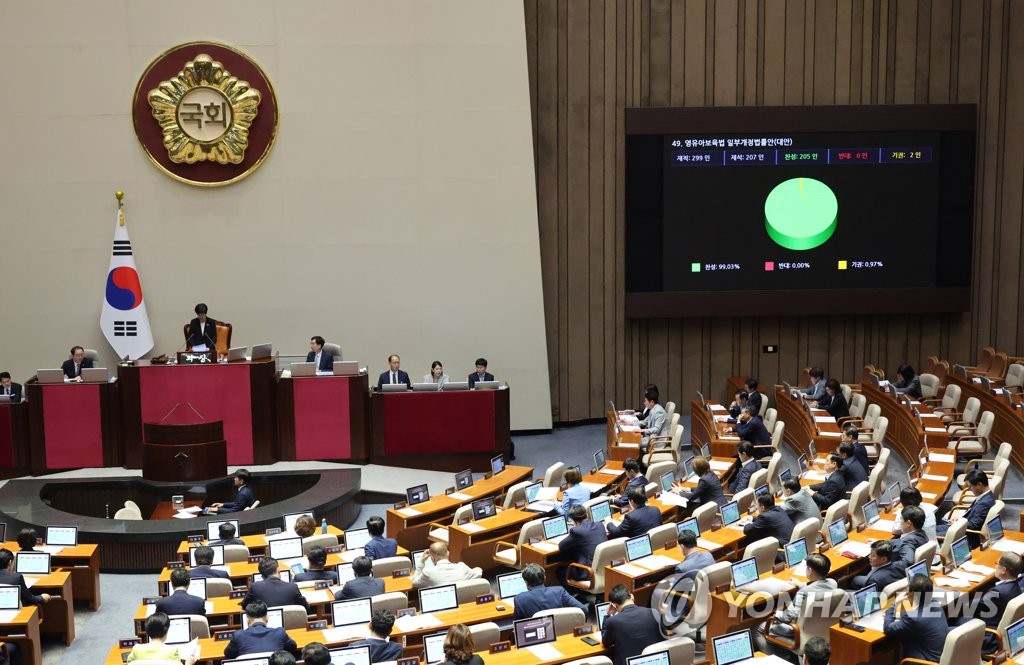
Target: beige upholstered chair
[(384, 568), (439, 532), (705, 516), (508, 554), (468, 590), (963, 646), (840, 510), (334, 350), (773, 473), (566, 618), (764, 550), (127, 514), (771, 415), (515, 493), (236, 553), (858, 497), (681, 650), (817, 615), (930, 385), (1002, 453), (554, 474), (484, 634), (857, 405), (323, 540), (974, 442), (293, 617), (217, 587), (807, 529), (968, 418), (393, 601), (603, 555)]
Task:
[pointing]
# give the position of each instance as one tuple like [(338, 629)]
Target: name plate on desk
[(150, 600), (196, 537), (333, 549), (223, 635), (321, 584), (498, 647), (127, 642), (411, 660), (585, 629), (320, 624), (173, 565), (238, 593), (401, 572), (197, 357), (485, 598)]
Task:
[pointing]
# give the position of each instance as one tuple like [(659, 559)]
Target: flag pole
[(119, 195)]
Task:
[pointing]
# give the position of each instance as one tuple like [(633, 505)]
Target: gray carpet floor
[(98, 631)]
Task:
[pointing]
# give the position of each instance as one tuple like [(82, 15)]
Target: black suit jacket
[(181, 602), (636, 523), (837, 406), (473, 378), (17, 579), (854, 473), (581, 542), (999, 596), (206, 572), (69, 367), (755, 432), (774, 522), (885, 575), (709, 488), (258, 638), (360, 587), (906, 546), (326, 360), (15, 391), (243, 499), (742, 477), (275, 592), (202, 335), (385, 377), (830, 491), (629, 632)]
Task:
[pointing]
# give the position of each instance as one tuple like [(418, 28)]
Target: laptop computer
[(867, 607), (555, 529), (786, 474), (734, 649), (995, 529), (534, 631), (601, 612), (761, 490), (350, 656), (535, 502), (10, 597), (285, 548), (463, 480), (218, 555), (656, 658), (179, 631), (237, 353), (744, 572), (213, 527), (919, 568), (437, 599), (796, 553), (352, 612), (94, 375), (455, 385), (429, 387), (197, 588), (638, 548), (891, 496), (837, 533), (32, 563), (961, 551), (705, 451), (600, 511), (484, 508), (871, 512), (394, 388), (600, 460), (62, 536), (433, 648), (510, 585), (346, 367), (730, 513), (1015, 638), (497, 464), (666, 481), (356, 538), (486, 385), (417, 494), (303, 369), (262, 351), (50, 375), (688, 469)]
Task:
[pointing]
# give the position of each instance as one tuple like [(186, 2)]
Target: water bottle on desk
[(323, 525)]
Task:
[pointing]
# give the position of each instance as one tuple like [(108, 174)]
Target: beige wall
[(397, 212)]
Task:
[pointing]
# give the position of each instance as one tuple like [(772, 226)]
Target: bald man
[(443, 571)]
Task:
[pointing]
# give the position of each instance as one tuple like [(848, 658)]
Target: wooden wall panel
[(591, 59)]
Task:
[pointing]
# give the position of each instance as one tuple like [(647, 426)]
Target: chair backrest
[(971, 410), (957, 530), (764, 404), (818, 614), (773, 472), (998, 367), (1014, 611), (670, 409), (929, 385), (926, 552), (662, 534), (758, 478), (651, 489), (516, 493), (985, 425), (876, 481), (807, 529), (745, 498), (892, 588), (681, 650), (883, 457), (995, 511), (334, 350), (836, 511), (603, 555), (673, 421), (857, 405), (871, 415), (707, 580), (200, 626), (985, 359), (764, 550), (858, 497), (237, 553), (465, 511), (996, 485), (962, 642), (223, 337), (468, 590), (293, 616), (385, 567), (532, 529), (778, 432), (127, 514), (878, 433), (484, 634), (847, 392), (566, 618), (553, 474), (92, 354), (253, 505), (1001, 465), (705, 515), (951, 397), (655, 471), (393, 601), (217, 587), (770, 416), (1015, 375), (323, 540), (1005, 448)]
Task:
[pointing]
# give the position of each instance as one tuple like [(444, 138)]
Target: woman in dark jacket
[(459, 647), (709, 487)]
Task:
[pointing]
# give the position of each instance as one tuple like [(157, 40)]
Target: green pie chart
[(801, 213)]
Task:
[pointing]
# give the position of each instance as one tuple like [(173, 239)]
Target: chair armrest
[(502, 545), (931, 400), (587, 584), (999, 638), (849, 420), (917, 661), (437, 525)]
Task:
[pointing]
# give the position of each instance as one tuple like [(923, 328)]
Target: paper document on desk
[(951, 581), (1005, 545), (345, 633), (611, 472), (623, 444), (7, 616), (183, 515), (719, 465), (834, 434), (978, 568), (417, 622), (655, 562), (941, 479), (874, 621), (929, 495), (459, 496), (855, 547), (721, 419), (150, 609), (546, 546), (964, 575), (930, 415), (318, 596), (883, 525), (191, 509), (546, 652), (631, 570), (408, 512), (627, 419), (813, 475), (800, 569), (54, 550), (593, 487), (772, 585), (717, 407), (941, 457), (707, 544), (546, 494), (672, 499), (729, 437), (824, 419), (629, 428), (29, 581), (472, 527)]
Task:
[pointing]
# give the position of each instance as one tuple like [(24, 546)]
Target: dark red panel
[(421, 423), (323, 429), (73, 426)]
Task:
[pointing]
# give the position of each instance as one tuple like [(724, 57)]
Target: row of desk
[(266, 419)]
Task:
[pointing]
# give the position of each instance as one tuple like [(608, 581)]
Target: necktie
[(394, 377)]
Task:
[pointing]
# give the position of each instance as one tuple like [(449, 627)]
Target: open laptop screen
[(688, 467), (497, 464), (417, 494), (961, 552), (837, 533), (197, 587), (464, 479), (689, 524), (796, 552), (275, 618), (761, 490), (289, 521), (213, 528), (510, 585), (666, 481), (65, 536), (356, 538), (802, 463), (705, 451), (350, 612), (10, 596), (554, 527), (866, 601), (733, 647), (285, 548), (1015, 638), (532, 490), (437, 599), (995, 528), (531, 632), (179, 631), (638, 548), (600, 511), (744, 572), (218, 555), (658, 658), (871, 512), (350, 656), (433, 648), (919, 568), (730, 513), (601, 610), (32, 563), (599, 459), (484, 508)]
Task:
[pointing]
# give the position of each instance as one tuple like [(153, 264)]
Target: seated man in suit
[(314, 653), (640, 519), (747, 466), (771, 521), (634, 478), (834, 487), (817, 389), (8, 388), (834, 401), (180, 601), (656, 422), (27, 540), (363, 585), (272, 590), (739, 401), (909, 382), (481, 373), (860, 453), (378, 546), (538, 597), (798, 505), (204, 568), (226, 531), (381, 647), (202, 330), (753, 396), (993, 604), (750, 427), (911, 536), (324, 359), (911, 496), (583, 538), (920, 628), (9, 577), (74, 365), (317, 558), (258, 637), (983, 502), (629, 629), (709, 486), (883, 570), (694, 559), (853, 472), (394, 374), (243, 497), (818, 584), (443, 571)]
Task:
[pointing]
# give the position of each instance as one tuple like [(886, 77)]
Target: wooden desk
[(83, 563), (410, 529), (473, 543), (571, 648), (58, 615), (1009, 421), (257, 542), (15, 450), (732, 611), (73, 425), (802, 426), (324, 417), (24, 630)]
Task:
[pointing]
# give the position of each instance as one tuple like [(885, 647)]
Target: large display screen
[(799, 210)]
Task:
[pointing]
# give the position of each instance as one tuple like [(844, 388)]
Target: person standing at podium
[(481, 373), (8, 388), (243, 499), (202, 329), (74, 365), (324, 359), (394, 374)]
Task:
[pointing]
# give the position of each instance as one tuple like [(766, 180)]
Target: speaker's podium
[(183, 451)]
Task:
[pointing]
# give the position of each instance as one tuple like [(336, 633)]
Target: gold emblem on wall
[(205, 114)]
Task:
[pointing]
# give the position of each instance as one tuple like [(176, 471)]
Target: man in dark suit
[(834, 487), (8, 388), (753, 396), (538, 597), (378, 547), (74, 365), (629, 629), (860, 453), (853, 472), (259, 637), (640, 519), (908, 382), (912, 536), (771, 520), (394, 374), (362, 585), (324, 359), (272, 590), (922, 629), (634, 478), (226, 531), (834, 401), (983, 502), (203, 567), (579, 545), (381, 648), (883, 571), (202, 329), (748, 465), (993, 604), (750, 427), (481, 373), (8, 576), (243, 497), (180, 601), (317, 558)]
